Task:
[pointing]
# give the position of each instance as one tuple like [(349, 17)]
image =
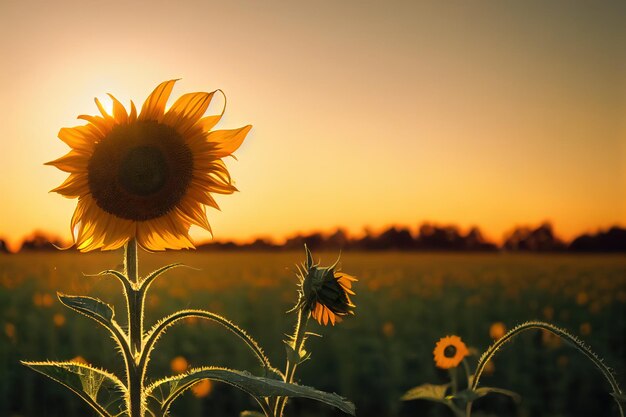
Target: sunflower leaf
[(90, 307), (100, 389), (163, 392), (429, 392), (482, 391)]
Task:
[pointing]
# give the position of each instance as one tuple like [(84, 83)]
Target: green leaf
[(90, 307), (294, 357), (465, 395), (99, 311), (429, 392), (162, 393), (482, 391), (471, 395), (100, 389)]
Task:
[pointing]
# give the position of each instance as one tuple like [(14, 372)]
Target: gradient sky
[(365, 113)]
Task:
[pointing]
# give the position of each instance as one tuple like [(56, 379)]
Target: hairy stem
[(135, 304), (577, 343), (297, 344)]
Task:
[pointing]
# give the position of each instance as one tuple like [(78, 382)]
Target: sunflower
[(324, 292), (449, 352), (146, 176)]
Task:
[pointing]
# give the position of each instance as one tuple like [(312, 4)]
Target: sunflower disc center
[(449, 351), (143, 171), (140, 171)]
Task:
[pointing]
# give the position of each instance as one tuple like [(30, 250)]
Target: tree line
[(428, 237)]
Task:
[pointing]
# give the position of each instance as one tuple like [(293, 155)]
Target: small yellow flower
[(179, 364), (325, 292), (389, 329), (146, 176), (79, 359), (497, 330), (9, 330), (449, 352), (202, 388), (58, 319)]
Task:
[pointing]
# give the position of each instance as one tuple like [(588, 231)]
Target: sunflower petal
[(194, 213), (187, 110), (74, 161), (102, 110), (220, 143), (133, 113), (79, 137), (102, 125), (76, 185), (154, 106), (119, 111)]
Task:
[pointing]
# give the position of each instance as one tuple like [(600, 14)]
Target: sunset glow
[(363, 114)]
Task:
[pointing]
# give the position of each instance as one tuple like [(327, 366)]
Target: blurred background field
[(405, 303)]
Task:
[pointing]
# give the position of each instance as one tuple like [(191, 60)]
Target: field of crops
[(405, 303)]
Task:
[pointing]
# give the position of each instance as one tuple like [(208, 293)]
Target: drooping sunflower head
[(449, 352), (146, 176), (324, 292)]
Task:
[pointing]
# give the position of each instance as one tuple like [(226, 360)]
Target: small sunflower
[(146, 176), (324, 292), (449, 352)]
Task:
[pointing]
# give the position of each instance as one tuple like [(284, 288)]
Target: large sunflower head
[(146, 176), (449, 352), (324, 291)]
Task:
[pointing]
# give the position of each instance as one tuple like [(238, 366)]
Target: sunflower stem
[(135, 303), (297, 345)]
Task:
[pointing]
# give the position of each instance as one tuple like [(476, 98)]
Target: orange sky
[(365, 112)]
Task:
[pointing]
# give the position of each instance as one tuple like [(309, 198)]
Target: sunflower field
[(405, 302)]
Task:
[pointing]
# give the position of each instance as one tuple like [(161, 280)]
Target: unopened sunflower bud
[(324, 291)]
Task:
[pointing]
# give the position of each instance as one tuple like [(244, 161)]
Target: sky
[(365, 113)]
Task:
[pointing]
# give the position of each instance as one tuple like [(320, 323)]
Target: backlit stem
[(297, 345), (135, 303)]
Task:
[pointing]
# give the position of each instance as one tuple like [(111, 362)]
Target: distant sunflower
[(449, 352), (146, 176), (324, 292)]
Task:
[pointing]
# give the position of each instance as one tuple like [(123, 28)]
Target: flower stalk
[(135, 304), (297, 356)]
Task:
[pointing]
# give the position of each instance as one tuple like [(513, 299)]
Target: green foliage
[(90, 307), (429, 392), (162, 393), (100, 389)]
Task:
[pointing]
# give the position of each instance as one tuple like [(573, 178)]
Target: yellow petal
[(220, 143), (74, 161), (133, 112), (101, 108), (103, 125), (209, 122), (79, 137), (75, 185), (194, 213), (119, 111), (154, 106), (187, 111)]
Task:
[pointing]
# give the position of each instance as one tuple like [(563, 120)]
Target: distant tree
[(541, 239), (40, 241), (613, 240), (440, 238), (314, 241), (475, 241), (3, 246), (338, 240)]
